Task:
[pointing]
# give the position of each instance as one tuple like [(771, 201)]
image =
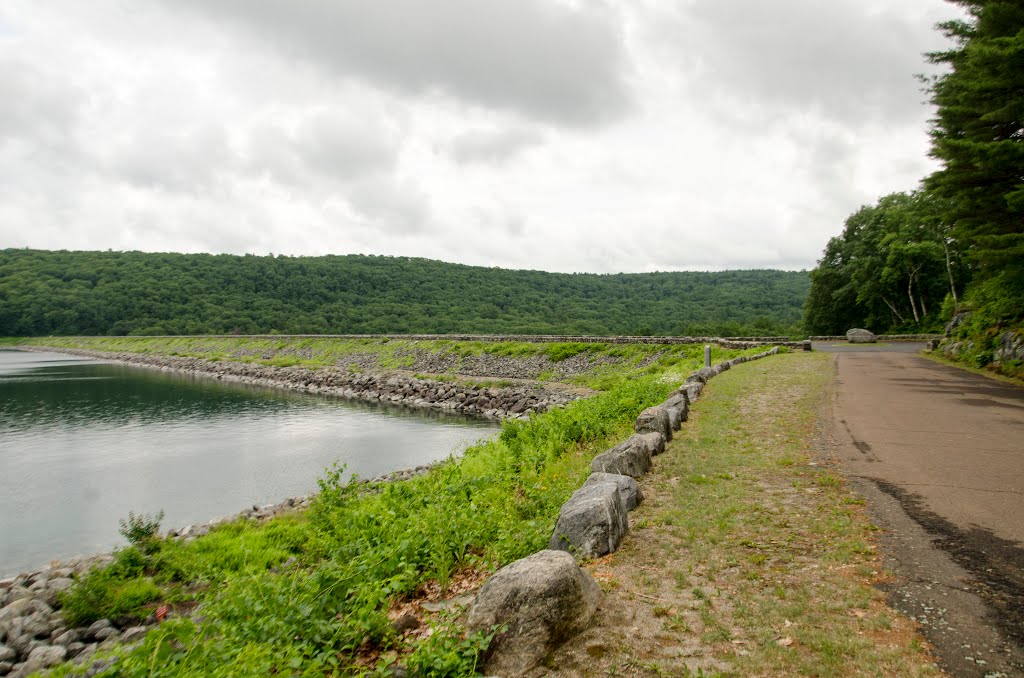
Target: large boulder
[(592, 522), (632, 496), (630, 458), (859, 336), (692, 389), (654, 420), (702, 375), (544, 599), (678, 408), (654, 442)]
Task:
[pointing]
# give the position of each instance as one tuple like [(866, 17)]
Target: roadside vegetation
[(750, 555), (317, 592)]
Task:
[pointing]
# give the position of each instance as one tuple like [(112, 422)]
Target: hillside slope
[(112, 293)]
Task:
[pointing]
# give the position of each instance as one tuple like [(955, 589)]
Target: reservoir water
[(83, 442)]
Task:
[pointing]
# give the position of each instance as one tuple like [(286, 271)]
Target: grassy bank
[(749, 556), (316, 593), (604, 365)]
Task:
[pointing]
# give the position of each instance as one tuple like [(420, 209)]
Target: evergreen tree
[(978, 134)]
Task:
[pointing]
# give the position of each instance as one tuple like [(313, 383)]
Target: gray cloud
[(839, 57), (493, 147), (535, 57)]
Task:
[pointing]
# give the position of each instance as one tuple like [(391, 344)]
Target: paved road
[(939, 452)]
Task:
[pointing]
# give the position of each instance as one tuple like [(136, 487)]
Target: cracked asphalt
[(939, 454)]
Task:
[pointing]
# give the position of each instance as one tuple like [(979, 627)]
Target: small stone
[(44, 657), (7, 653), (133, 634), (97, 627), (406, 622), (67, 638)]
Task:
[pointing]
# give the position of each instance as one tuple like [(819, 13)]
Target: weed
[(141, 530)]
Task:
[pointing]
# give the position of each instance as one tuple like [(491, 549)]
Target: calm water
[(82, 442)]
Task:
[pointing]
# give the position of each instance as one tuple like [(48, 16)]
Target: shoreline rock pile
[(494, 402)]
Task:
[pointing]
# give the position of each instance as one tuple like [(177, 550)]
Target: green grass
[(758, 558), (309, 593), (611, 364)]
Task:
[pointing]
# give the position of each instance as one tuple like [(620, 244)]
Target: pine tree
[(978, 134)]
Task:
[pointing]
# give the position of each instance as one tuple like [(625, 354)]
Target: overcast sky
[(585, 135)]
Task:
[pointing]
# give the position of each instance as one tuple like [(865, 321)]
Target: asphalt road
[(939, 454)]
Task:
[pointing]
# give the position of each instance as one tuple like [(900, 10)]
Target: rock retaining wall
[(724, 342), (506, 402)]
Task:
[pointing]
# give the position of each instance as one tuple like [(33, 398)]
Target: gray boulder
[(545, 599), (592, 522), (632, 496), (133, 634), (678, 408), (654, 420), (43, 657), (702, 375), (692, 389), (631, 458), (859, 336), (654, 442), (7, 653)]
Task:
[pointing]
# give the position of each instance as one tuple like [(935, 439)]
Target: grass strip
[(746, 558)]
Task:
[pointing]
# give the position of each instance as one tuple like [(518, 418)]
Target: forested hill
[(101, 293)]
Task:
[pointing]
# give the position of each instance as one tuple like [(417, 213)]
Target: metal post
[(707, 356)]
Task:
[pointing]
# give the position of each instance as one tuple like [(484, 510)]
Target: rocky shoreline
[(517, 401), (34, 634)]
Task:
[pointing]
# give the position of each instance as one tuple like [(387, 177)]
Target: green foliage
[(105, 593), (888, 270), (977, 135), (446, 653), (303, 594), (119, 293), (141, 530)]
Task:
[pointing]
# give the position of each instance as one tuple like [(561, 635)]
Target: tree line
[(912, 260), (119, 293)]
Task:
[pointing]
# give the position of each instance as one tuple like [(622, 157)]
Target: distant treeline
[(119, 293)]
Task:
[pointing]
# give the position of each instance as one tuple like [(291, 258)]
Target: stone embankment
[(725, 342), (498, 402)]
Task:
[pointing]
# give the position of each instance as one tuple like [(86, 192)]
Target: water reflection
[(83, 442)]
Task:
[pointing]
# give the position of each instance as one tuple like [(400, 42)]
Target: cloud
[(542, 134), (843, 58), (538, 58), (493, 147)]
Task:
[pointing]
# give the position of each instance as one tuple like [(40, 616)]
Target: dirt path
[(939, 453)]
